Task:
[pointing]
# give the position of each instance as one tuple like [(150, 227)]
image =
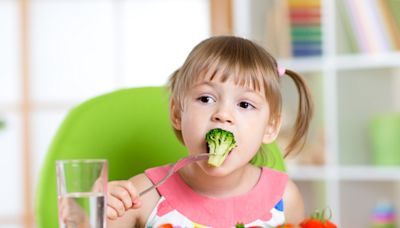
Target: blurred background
[(55, 54)]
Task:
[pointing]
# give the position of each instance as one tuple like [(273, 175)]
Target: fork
[(175, 167)]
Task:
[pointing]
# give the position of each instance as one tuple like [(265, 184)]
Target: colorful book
[(377, 22), (394, 6), (389, 23), (344, 16), (305, 16), (305, 27), (373, 24), (304, 3)]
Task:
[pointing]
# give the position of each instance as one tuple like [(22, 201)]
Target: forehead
[(252, 79)]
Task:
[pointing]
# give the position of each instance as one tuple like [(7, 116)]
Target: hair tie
[(281, 71)]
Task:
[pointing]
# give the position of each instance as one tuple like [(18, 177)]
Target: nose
[(223, 115)]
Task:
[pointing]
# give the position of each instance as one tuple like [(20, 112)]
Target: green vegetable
[(219, 142)]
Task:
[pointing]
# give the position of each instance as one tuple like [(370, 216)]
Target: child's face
[(216, 104)]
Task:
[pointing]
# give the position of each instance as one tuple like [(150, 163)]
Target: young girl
[(230, 83)]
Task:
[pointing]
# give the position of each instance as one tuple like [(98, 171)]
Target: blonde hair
[(251, 66)]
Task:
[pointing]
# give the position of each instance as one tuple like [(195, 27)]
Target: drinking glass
[(82, 190)]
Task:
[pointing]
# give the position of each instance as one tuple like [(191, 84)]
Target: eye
[(206, 99), (246, 105)]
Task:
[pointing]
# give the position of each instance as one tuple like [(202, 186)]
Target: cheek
[(192, 131), (253, 140), (253, 134)]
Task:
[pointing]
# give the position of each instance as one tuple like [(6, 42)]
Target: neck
[(235, 183)]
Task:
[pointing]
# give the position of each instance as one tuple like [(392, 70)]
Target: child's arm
[(294, 205), (124, 207)]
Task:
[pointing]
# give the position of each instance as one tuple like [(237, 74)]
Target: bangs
[(222, 72), (221, 60)]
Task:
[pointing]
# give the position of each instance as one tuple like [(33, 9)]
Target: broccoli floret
[(239, 225), (219, 142)]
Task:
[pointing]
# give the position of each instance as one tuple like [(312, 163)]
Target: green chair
[(129, 127)]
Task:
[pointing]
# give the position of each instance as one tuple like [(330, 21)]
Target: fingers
[(125, 191), (122, 196), (112, 214)]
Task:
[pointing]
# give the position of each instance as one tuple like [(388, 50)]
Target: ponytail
[(304, 114)]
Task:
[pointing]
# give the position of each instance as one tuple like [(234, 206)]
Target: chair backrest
[(129, 127)]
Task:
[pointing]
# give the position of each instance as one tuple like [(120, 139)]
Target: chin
[(220, 171)]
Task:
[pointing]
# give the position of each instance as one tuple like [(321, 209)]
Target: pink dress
[(180, 206)]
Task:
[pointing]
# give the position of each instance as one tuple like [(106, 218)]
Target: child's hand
[(122, 196)]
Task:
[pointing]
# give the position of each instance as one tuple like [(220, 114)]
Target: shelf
[(367, 61), (341, 81), (307, 173), (302, 65), (369, 173), (343, 62), (345, 173)]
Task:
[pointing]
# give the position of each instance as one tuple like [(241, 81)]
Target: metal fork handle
[(174, 168)]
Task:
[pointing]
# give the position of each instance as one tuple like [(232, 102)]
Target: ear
[(175, 115), (272, 130)]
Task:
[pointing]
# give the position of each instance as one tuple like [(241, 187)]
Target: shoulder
[(275, 173), (294, 205), (276, 178)]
